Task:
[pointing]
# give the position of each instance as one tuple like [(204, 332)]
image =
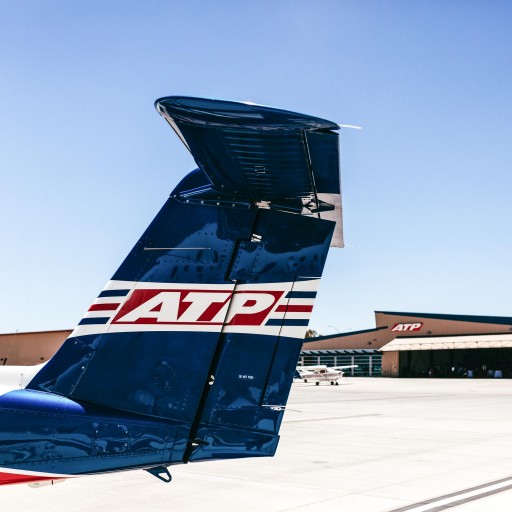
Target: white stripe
[(290, 316), (294, 331), (265, 330), (463, 496), (100, 314), (109, 300), (301, 302), (299, 286)]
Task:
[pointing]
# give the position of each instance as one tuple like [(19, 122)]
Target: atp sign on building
[(407, 327)]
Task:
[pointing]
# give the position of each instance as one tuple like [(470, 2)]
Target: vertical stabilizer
[(203, 322)]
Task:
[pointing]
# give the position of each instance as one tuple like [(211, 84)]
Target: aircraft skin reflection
[(189, 352)]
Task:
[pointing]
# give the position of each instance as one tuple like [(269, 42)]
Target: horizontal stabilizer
[(270, 157)]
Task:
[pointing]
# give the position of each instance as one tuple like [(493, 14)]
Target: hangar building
[(401, 344), (423, 344), (29, 348)]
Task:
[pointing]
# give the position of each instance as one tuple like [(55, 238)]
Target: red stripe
[(294, 309), (104, 307), (12, 478)]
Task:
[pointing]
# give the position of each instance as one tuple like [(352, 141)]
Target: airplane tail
[(203, 322)]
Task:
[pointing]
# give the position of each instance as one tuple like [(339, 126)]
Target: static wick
[(350, 126)]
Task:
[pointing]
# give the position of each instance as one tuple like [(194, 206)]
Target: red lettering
[(214, 307)]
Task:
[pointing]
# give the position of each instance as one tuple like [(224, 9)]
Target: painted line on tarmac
[(333, 418), (377, 398), (459, 498)]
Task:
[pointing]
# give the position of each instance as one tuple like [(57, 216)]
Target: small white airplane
[(322, 372)]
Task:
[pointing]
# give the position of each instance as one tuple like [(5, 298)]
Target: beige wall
[(29, 348), (390, 366), (439, 327), (373, 339)]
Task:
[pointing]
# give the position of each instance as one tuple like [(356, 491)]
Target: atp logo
[(407, 327), (209, 307)]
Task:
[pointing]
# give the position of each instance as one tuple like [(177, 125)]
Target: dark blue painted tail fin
[(203, 322)]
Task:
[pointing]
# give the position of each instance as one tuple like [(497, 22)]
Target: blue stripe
[(113, 293), (291, 322), (91, 321), (301, 295), (274, 321)]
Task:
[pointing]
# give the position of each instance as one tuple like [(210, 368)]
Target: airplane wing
[(17, 377), (345, 367)]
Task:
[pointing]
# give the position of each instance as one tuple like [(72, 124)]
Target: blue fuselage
[(54, 435)]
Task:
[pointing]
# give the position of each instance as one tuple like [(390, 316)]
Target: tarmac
[(367, 445)]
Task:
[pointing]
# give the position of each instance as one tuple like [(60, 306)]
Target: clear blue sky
[(86, 162)]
